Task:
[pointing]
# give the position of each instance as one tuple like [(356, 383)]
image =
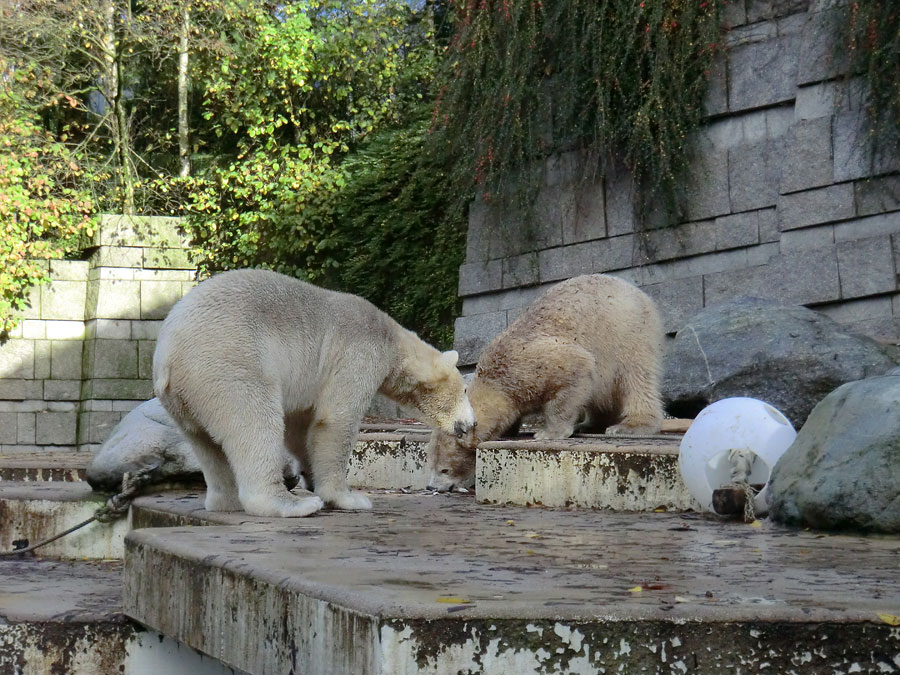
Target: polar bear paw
[(287, 506), (631, 430), (554, 433), (349, 501)]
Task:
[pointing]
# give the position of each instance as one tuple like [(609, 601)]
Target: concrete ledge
[(37, 510), (44, 466), (438, 584), (624, 474)]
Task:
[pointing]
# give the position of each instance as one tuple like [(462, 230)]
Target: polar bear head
[(451, 461), (431, 385)]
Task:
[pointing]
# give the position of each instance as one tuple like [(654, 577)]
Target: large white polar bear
[(252, 364), (590, 348)]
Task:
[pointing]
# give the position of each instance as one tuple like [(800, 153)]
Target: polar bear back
[(612, 319), (247, 324)]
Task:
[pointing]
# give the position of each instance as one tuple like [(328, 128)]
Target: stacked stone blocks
[(81, 357), (782, 199)]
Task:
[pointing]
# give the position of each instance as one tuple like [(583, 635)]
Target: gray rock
[(843, 470), (789, 356), (145, 436)]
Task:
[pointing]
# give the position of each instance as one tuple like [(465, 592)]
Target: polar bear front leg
[(330, 444)]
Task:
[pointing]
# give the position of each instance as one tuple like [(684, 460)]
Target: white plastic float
[(733, 424)]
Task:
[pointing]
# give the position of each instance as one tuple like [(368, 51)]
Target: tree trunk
[(113, 94), (184, 84)]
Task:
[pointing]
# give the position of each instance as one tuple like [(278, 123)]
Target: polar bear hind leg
[(574, 381), (253, 442), (221, 489), (642, 412)]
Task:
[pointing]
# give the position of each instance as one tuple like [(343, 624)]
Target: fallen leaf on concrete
[(453, 601), (889, 619), (756, 523), (533, 535), (681, 598), (510, 522), (635, 589)]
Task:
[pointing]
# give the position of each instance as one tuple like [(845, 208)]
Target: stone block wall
[(782, 199), (81, 357)]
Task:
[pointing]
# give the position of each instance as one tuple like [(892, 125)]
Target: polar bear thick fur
[(589, 348), (251, 364)]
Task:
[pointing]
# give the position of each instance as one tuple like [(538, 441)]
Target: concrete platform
[(440, 584), (608, 472)]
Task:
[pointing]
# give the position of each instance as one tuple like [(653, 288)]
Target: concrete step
[(60, 617), (31, 511), (590, 471), (66, 618), (438, 584)]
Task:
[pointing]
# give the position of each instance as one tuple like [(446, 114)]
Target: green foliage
[(525, 79), (400, 239), (319, 107), (44, 213), (290, 96), (871, 32)]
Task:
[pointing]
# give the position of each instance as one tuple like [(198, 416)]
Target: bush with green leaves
[(45, 212)]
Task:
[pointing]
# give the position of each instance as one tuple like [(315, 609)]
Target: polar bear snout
[(460, 429)]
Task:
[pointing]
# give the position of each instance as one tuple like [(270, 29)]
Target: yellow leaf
[(889, 619), (636, 589), (533, 535), (453, 601), (756, 523), (510, 522)]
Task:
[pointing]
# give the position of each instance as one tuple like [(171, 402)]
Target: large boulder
[(789, 357), (145, 436), (843, 470)]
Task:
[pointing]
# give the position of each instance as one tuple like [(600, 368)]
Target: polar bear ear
[(450, 358)]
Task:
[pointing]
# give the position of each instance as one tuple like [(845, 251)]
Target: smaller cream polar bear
[(254, 366), (590, 346)]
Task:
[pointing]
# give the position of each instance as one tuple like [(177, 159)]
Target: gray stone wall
[(783, 201), (81, 357)]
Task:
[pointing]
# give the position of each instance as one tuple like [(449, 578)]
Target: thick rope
[(116, 507), (741, 466)]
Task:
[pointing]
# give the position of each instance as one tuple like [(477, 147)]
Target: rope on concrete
[(741, 465), (116, 507)]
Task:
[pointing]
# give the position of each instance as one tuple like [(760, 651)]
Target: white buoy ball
[(733, 424)]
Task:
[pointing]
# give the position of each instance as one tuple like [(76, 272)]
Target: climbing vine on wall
[(872, 39), (527, 78)]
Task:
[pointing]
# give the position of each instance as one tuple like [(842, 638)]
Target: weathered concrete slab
[(61, 618), (440, 584), (620, 473), (34, 511), (392, 460)]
